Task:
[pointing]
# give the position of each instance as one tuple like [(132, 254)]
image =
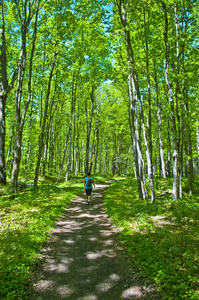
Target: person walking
[(88, 186)]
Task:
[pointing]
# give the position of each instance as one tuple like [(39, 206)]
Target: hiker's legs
[(88, 195)]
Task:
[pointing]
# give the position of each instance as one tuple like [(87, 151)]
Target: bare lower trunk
[(138, 160), (2, 139), (68, 136), (97, 150), (159, 118), (20, 117), (16, 163), (77, 152), (149, 94), (175, 146), (168, 163), (20, 120), (178, 118), (41, 138), (149, 162), (49, 124), (89, 124), (5, 88), (95, 137), (136, 95), (27, 160)]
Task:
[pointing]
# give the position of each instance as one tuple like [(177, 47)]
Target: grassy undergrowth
[(161, 238), (26, 221)]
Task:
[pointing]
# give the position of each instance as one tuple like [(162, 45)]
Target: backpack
[(88, 183)]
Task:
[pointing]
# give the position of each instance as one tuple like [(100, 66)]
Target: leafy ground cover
[(26, 221), (161, 238)]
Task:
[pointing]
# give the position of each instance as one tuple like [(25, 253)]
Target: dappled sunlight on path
[(82, 260)]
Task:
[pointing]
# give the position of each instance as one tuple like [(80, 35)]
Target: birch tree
[(6, 85), (123, 14), (25, 15)]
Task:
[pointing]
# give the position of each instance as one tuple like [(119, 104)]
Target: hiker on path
[(88, 186)]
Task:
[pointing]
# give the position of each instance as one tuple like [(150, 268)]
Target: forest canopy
[(105, 86)]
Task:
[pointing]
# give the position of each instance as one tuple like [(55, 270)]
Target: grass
[(161, 238), (26, 222)]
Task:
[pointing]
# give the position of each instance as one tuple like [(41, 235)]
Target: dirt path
[(82, 260)]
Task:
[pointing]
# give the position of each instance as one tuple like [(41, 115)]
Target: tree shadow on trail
[(82, 259)]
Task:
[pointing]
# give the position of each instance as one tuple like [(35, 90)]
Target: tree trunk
[(149, 162), (148, 89), (68, 166), (97, 150), (49, 123), (21, 71), (169, 85), (67, 139), (77, 152), (168, 164), (89, 126), (135, 85), (2, 138), (27, 160), (5, 88), (10, 145), (159, 126), (187, 128), (177, 93), (138, 159), (95, 137), (41, 138), (20, 121)]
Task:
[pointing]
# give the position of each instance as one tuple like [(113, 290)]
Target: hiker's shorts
[(88, 192)]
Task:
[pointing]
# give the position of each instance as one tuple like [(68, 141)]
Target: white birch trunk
[(171, 98)]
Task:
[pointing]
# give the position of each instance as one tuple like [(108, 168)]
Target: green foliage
[(161, 238)]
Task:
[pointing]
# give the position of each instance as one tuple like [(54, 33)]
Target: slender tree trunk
[(89, 126), (95, 137), (97, 150), (77, 152), (198, 146), (148, 91), (2, 138), (49, 123), (138, 159), (20, 123), (134, 78), (74, 152), (67, 139), (169, 85), (159, 126), (21, 71), (27, 160), (41, 138), (149, 162), (68, 166), (10, 144), (187, 128), (168, 164), (5, 88), (132, 141), (190, 154), (177, 93)]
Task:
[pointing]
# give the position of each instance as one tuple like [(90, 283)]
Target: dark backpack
[(88, 183)]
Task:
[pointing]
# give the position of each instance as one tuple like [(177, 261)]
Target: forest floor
[(84, 260)]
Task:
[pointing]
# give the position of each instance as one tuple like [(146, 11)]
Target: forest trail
[(83, 260)]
